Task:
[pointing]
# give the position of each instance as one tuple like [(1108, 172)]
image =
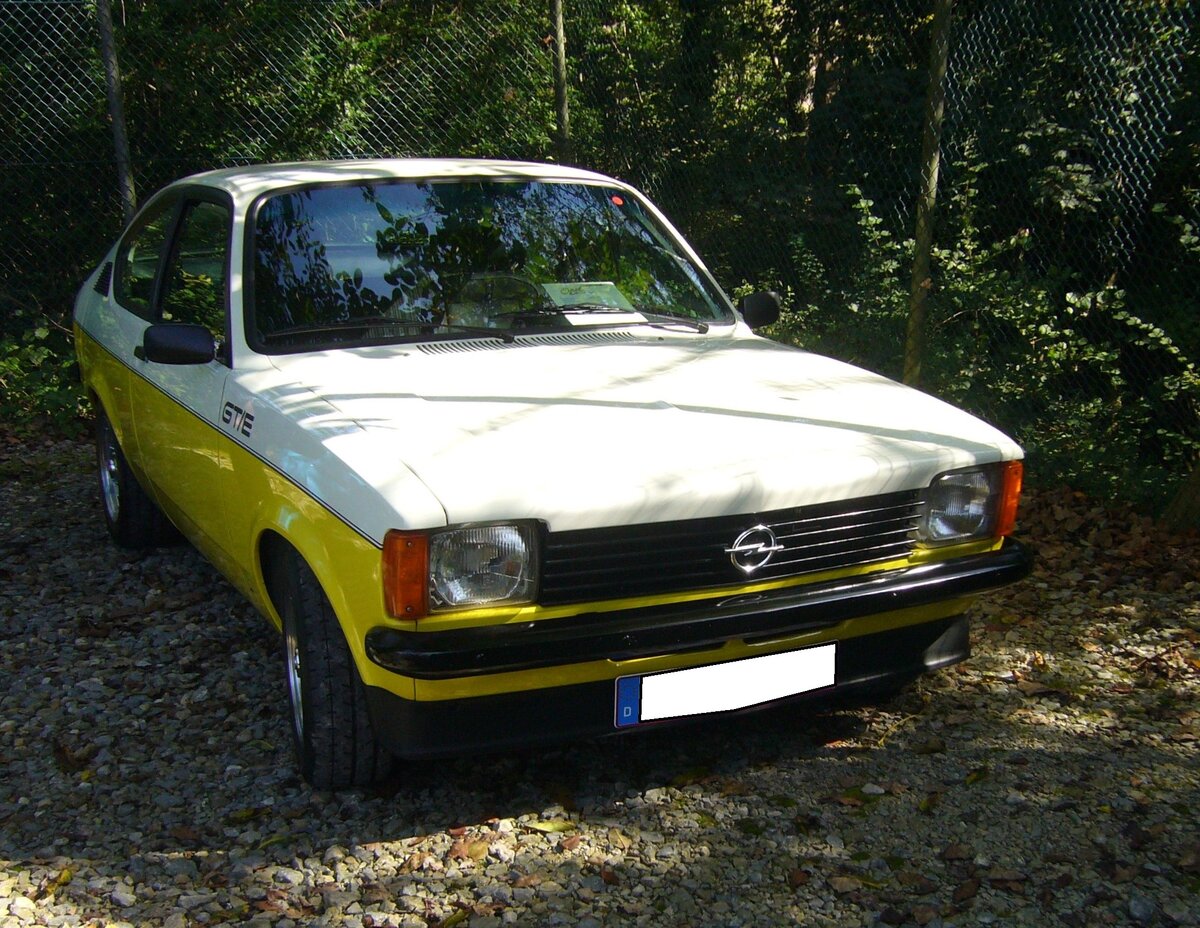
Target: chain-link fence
[(783, 136)]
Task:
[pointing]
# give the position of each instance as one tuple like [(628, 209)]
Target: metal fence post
[(116, 110), (931, 142), (562, 141)]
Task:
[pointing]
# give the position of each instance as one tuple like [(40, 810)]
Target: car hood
[(612, 429)]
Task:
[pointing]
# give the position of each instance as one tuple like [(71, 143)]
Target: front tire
[(132, 517), (336, 747)]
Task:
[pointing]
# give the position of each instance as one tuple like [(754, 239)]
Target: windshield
[(374, 262)]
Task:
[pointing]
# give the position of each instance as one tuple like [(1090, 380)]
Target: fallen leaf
[(798, 878), (610, 876), (374, 893), (553, 826), (730, 787), (571, 842), (1004, 878), (957, 852), (1037, 688), (72, 760), (979, 773), (916, 883), (965, 891)]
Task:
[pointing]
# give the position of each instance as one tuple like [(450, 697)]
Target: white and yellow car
[(489, 445)]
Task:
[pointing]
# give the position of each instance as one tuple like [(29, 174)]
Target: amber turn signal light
[(406, 574), (1010, 496)]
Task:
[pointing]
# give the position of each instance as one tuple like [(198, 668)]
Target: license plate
[(723, 687)]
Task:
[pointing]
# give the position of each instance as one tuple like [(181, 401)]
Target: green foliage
[(782, 136), (1098, 396), (38, 379)]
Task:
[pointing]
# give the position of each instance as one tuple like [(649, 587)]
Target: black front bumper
[(690, 626), (864, 665)]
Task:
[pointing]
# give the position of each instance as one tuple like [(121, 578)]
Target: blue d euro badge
[(723, 687)]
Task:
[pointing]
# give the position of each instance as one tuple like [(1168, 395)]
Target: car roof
[(252, 180)]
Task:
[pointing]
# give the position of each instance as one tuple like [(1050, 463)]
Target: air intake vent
[(104, 280), (465, 346), (469, 345), (576, 338)]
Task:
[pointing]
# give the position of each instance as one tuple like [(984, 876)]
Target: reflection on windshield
[(373, 262)]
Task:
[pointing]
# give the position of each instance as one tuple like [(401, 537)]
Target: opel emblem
[(753, 549)]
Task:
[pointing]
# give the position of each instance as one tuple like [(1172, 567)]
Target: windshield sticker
[(595, 292)]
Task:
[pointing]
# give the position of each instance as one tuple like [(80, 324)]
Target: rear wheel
[(133, 519), (331, 728)]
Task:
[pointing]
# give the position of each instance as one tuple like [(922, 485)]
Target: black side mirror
[(177, 343), (759, 309)]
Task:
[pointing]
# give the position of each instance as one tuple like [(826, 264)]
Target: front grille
[(669, 557)]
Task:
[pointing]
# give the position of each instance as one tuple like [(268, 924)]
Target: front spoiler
[(691, 626), (866, 666)]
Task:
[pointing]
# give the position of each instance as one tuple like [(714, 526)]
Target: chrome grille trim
[(670, 557)]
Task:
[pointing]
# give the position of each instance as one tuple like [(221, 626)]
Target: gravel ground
[(146, 776)]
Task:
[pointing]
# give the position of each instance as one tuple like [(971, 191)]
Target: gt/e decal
[(237, 417)]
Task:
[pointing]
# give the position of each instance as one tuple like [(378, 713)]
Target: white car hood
[(629, 430)]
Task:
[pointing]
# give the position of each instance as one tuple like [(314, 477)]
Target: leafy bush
[(39, 379), (1101, 398)]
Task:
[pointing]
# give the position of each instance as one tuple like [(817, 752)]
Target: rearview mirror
[(759, 309), (177, 343)]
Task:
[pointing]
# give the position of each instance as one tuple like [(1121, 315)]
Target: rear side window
[(139, 259)]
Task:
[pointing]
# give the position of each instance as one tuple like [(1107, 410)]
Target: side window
[(138, 260), (194, 289)]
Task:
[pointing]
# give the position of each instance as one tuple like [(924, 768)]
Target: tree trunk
[(1183, 512), (562, 140), (914, 345), (116, 110)]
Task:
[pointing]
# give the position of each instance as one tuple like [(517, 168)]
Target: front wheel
[(331, 729)]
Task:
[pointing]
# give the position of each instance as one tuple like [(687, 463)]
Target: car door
[(176, 408)]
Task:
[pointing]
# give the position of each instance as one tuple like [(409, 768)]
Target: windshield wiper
[(663, 320), (593, 308), (369, 322), (550, 309), (657, 320), (361, 322), (503, 334)]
